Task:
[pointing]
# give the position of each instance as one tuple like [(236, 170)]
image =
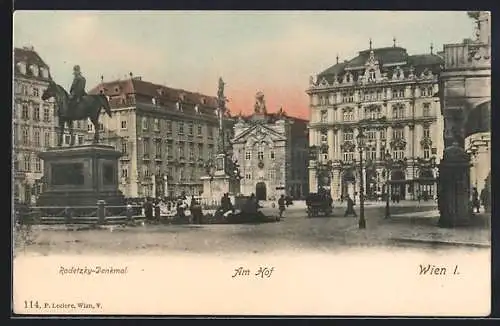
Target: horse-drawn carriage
[(319, 204)]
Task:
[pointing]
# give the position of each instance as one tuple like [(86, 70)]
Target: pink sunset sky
[(274, 52)]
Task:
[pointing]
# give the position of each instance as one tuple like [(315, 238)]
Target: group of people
[(481, 199)]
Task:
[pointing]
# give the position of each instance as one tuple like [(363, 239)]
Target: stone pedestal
[(454, 188), (80, 176)]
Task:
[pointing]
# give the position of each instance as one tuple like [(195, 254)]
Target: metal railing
[(99, 214)]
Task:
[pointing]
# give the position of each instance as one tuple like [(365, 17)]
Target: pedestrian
[(281, 205), (350, 207), (157, 211), (148, 209), (475, 200), (485, 199)]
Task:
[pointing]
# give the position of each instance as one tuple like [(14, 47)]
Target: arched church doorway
[(261, 191), (348, 183), (398, 182)]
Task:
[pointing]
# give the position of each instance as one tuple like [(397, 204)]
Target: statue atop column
[(260, 104), (221, 110)]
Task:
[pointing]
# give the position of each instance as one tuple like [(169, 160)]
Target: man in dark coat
[(350, 207), (77, 90)]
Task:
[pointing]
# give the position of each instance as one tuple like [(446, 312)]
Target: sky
[(270, 51)]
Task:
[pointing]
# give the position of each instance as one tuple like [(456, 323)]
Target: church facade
[(391, 96), (271, 149)]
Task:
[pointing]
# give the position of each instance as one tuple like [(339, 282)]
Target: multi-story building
[(272, 151), (466, 97), (33, 123), (166, 136), (393, 97)]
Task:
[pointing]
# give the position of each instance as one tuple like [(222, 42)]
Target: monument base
[(454, 198), (214, 188), (80, 176)]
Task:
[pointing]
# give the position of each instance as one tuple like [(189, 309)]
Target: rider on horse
[(77, 90)]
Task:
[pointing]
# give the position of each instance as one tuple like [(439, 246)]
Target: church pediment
[(258, 133)]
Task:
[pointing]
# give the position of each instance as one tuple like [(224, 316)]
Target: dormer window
[(371, 75), (44, 72), (34, 70), (22, 67), (203, 101)]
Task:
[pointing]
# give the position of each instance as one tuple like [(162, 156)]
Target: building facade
[(466, 97), (393, 97), (166, 136), (34, 123), (272, 151)]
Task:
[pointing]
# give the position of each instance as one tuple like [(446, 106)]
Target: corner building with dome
[(394, 98)]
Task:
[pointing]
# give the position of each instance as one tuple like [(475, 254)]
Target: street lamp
[(361, 138), (388, 164)]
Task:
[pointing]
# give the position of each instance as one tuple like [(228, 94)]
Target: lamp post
[(361, 138), (388, 164)]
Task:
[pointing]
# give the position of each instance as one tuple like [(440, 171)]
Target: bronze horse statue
[(89, 107)]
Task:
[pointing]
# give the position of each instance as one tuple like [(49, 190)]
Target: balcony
[(468, 55)]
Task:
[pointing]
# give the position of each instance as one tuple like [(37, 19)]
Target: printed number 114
[(31, 304)]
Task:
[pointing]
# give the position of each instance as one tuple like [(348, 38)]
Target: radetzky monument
[(85, 174)]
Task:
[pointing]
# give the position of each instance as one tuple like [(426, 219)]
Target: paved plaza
[(408, 226)]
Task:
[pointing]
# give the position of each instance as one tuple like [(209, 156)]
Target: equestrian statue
[(77, 105)]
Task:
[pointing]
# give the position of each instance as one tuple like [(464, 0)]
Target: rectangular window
[(348, 136), (25, 111), (427, 132), (170, 152), (191, 151), (324, 116), (80, 139), (36, 137), (383, 134), (46, 139), (145, 147), (427, 152), (25, 140), (348, 156), (36, 92), (371, 135), (248, 176), (67, 139), (27, 164), (144, 123), (157, 125), (190, 129), (36, 112), (248, 155), (398, 154), (200, 129), (210, 132), (271, 175), (158, 148), (398, 133), (169, 127), (124, 124), (90, 127), (200, 150), (271, 155), (181, 128), (371, 154), (38, 164), (124, 172), (260, 155), (324, 136), (426, 110)]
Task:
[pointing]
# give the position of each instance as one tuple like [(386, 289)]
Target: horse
[(89, 107)]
